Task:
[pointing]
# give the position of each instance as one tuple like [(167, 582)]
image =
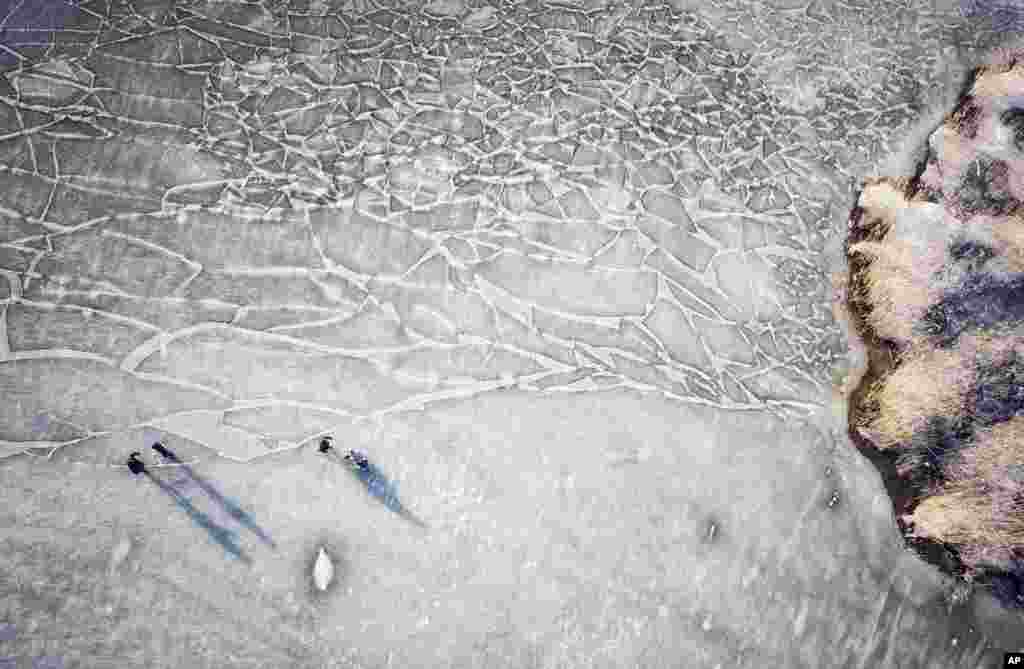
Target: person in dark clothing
[(135, 465)]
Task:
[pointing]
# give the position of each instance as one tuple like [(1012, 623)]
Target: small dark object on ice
[(135, 465), (159, 448), (373, 478)]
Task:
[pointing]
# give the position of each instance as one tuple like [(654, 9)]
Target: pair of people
[(355, 456), (224, 536), (377, 484)]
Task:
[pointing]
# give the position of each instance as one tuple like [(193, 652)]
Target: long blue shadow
[(378, 485), (221, 535), (235, 511)]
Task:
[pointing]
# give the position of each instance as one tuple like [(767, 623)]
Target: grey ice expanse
[(561, 269)]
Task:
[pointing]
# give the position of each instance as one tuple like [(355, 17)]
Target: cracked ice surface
[(244, 225)]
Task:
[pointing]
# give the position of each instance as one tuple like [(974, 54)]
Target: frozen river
[(564, 271)]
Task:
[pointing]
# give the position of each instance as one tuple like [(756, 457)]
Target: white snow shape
[(323, 571)]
